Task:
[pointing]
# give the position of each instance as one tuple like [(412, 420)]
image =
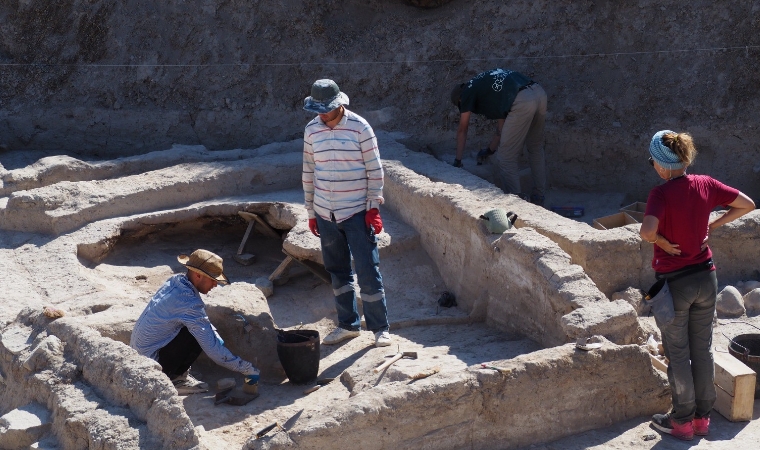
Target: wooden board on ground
[(735, 387), (658, 363)]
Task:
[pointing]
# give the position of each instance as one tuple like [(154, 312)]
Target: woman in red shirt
[(677, 221)]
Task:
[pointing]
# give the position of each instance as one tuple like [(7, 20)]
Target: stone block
[(730, 303), (617, 321), (48, 353), (24, 426), (16, 339), (265, 286), (254, 339), (246, 259), (633, 297)]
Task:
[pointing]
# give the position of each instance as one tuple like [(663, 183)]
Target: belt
[(688, 270), (527, 86)]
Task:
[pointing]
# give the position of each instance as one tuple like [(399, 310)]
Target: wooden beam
[(265, 227), (282, 268), (315, 268), (251, 225)]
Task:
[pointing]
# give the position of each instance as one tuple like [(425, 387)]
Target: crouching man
[(174, 327)]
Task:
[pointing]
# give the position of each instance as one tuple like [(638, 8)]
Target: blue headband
[(661, 153)]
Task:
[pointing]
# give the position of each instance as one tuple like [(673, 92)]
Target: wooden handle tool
[(386, 364)]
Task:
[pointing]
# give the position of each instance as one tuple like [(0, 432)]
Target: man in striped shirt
[(343, 189), (174, 327)]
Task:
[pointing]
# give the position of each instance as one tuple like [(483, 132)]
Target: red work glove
[(313, 227), (372, 219)]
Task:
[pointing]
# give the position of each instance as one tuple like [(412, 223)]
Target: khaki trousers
[(524, 126)]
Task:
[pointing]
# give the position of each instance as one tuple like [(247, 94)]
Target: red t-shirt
[(683, 207)]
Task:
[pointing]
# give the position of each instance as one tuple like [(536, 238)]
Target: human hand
[(252, 375), (483, 155), (670, 249), (707, 236), (372, 219), (313, 227)]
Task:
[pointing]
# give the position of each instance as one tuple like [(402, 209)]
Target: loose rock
[(752, 302), (730, 303), (265, 286), (24, 426), (748, 286)]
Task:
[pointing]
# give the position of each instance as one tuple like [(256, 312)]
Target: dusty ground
[(306, 301), (412, 284), (139, 263)]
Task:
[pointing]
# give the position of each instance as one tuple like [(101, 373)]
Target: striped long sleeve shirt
[(342, 174), (176, 304)]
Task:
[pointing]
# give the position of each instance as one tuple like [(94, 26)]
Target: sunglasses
[(651, 161)]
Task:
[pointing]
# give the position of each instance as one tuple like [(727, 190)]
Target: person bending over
[(518, 104)]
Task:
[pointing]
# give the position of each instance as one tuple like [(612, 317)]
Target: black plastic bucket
[(298, 351), (746, 348)]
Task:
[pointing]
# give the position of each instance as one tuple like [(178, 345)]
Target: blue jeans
[(340, 241), (687, 343)]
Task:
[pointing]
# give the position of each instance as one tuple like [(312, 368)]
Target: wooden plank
[(733, 375), (735, 409), (281, 268), (251, 224), (658, 364), (317, 269), (265, 227)]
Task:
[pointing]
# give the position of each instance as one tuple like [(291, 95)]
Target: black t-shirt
[(492, 93)]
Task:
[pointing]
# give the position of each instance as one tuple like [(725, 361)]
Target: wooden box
[(635, 210), (616, 220), (735, 386)]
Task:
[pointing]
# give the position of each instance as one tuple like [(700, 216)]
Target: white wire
[(746, 48)]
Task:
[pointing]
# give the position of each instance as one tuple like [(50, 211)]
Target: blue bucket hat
[(325, 96), (665, 157)]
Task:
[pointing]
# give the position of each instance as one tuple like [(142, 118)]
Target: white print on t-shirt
[(499, 76)]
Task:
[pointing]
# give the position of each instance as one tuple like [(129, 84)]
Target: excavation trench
[(521, 300)]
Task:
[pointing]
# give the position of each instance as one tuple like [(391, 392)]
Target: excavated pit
[(92, 224), (522, 297)]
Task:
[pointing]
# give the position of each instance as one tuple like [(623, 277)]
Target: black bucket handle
[(746, 350), (281, 332)]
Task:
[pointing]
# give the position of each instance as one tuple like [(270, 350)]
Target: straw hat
[(206, 263)]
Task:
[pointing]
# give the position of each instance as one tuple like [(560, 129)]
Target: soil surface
[(412, 286), (305, 301)]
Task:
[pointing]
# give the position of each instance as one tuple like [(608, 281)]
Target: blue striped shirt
[(176, 304), (342, 174)]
